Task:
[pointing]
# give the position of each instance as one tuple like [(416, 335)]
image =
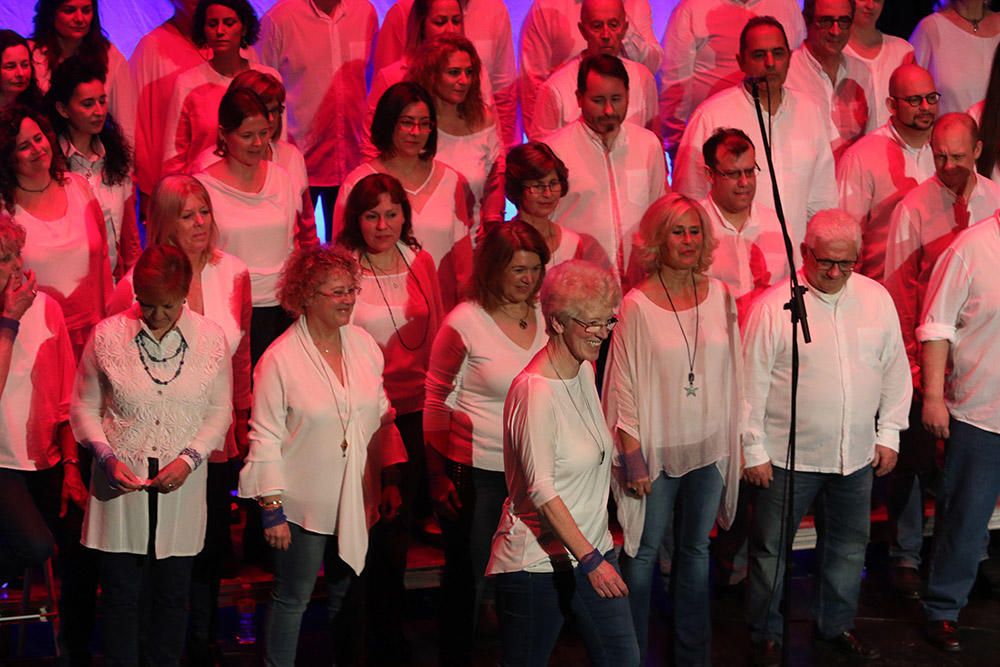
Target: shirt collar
[(814, 64), (621, 141), (976, 189), (827, 298), (893, 134), (338, 11), (182, 325), (786, 100), (716, 212), (71, 151)]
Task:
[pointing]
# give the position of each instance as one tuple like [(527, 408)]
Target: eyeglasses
[(411, 124), (915, 100), (595, 327), (845, 266), (542, 188), (826, 22), (341, 293), (735, 174)]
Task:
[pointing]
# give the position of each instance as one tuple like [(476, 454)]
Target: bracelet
[(193, 455), (270, 518), (591, 561), (269, 504), (10, 323)]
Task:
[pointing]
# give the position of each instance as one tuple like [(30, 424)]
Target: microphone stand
[(797, 310)]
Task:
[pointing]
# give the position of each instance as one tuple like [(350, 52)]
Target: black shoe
[(943, 635), (847, 642), (765, 654), (906, 581)]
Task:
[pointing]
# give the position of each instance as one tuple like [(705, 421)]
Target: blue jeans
[(532, 607), (295, 572), (842, 504), (908, 486), (970, 486), (701, 491)]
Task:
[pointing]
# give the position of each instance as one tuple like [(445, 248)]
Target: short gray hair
[(833, 224), (571, 286)]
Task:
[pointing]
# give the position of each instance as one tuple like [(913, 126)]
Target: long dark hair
[(94, 45), (390, 107), (989, 124), (10, 126), (68, 75), (31, 96)]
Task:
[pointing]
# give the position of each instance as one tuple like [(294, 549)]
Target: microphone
[(754, 80)]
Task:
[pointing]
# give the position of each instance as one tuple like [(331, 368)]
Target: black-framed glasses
[(595, 327), (845, 265), (915, 100), (539, 188), (735, 174), (826, 22), (341, 293)]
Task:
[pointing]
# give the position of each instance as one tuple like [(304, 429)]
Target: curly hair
[(364, 197), (307, 268), (390, 107), (31, 96), (94, 45), (429, 62), (495, 252), (10, 126), (530, 162), (244, 11), (68, 75), (12, 235), (571, 286), (656, 224)]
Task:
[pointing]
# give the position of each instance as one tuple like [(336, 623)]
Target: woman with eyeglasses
[(672, 398), (322, 434), (882, 53), (404, 130), (481, 345), (535, 180), (552, 552)]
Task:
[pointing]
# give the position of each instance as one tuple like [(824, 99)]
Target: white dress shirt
[(550, 37), (556, 104), (322, 59), (803, 160), (854, 388), (116, 402), (750, 259), (610, 189), (922, 226), (700, 45), (555, 445), (873, 176), (963, 299), (959, 62), (893, 53)]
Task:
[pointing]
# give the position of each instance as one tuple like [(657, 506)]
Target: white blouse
[(556, 445), (476, 156), (116, 402), (645, 394), (301, 415)]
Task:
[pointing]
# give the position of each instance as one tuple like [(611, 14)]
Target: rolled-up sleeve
[(947, 293)]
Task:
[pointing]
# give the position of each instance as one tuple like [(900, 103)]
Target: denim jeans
[(532, 607), (295, 572), (909, 484), (842, 504), (970, 486), (698, 492), (467, 543)]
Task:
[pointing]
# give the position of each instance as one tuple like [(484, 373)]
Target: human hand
[(444, 497), (884, 460), (121, 477), (760, 475), (73, 489), (171, 477), (18, 294), (279, 537), (640, 487), (607, 582), (935, 417)]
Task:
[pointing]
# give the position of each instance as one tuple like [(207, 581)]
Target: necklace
[(21, 187), (583, 420), (399, 334), (392, 277), (336, 402), (973, 22), (690, 389), (144, 354), (521, 321)]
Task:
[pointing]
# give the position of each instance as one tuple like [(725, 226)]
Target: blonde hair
[(656, 223), (166, 204)]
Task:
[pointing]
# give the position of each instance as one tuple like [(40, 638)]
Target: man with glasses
[(839, 82), (853, 397), (882, 167)]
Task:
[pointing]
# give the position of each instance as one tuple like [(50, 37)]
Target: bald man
[(877, 172), (603, 24)]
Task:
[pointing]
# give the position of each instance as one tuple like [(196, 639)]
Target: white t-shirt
[(960, 63), (892, 54)]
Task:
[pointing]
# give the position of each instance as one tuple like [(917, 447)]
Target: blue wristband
[(591, 561), (273, 517), (10, 323), (634, 466)]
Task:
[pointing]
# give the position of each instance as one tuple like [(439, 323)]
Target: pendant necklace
[(973, 22), (522, 322), (690, 389), (336, 402), (583, 420), (392, 318)]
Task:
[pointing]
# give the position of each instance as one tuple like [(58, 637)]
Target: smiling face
[(443, 16), (247, 144), (453, 83), (87, 109), (413, 128), (382, 225), (223, 29), (520, 277), (193, 230), (604, 104), (683, 242), (15, 71), (73, 19), (584, 340), (333, 302), (828, 42), (539, 197), (766, 55), (32, 150)]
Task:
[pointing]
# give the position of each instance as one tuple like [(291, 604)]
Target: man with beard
[(616, 169)]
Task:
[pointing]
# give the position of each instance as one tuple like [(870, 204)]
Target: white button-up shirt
[(550, 36), (750, 259), (921, 227), (556, 105), (963, 300), (847, 102), (700, 45), (852, 372), (873, 176), (610, 189), (322, 59), (803, 160)]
